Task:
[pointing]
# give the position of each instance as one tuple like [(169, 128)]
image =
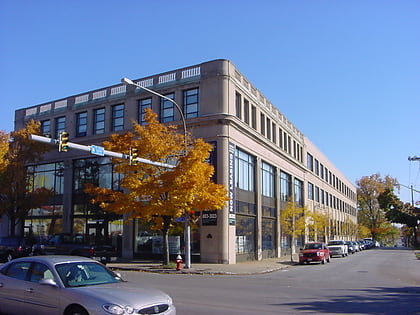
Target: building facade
[(259, 155)]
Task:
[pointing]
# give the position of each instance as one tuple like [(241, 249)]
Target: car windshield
[(77, 274), (313, 246)]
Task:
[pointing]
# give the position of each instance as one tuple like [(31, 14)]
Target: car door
[(12, 286), (41, 298)]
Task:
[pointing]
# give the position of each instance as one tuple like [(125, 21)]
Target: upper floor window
[(143, 104), (267, 180), (310, 161), (46, 128), (118, 117), (254, 117), (60, 125), (285, 186), (167, 108), (246, 111), (238, 105), (191, 103), (244, 170), (262, 122), (99, 121), (81, 124)]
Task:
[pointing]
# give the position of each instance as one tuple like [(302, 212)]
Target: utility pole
[(413, 158)]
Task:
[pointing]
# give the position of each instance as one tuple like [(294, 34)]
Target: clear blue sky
[(346, 73)]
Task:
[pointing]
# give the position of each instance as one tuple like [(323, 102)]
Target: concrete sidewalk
[(242, 268)]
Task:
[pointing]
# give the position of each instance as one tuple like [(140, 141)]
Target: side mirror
[(49, 282)]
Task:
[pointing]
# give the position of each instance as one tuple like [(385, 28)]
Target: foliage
[(154, 193), (317, 224), (16, 195), (398, 212), (293, 222), (370, 213)]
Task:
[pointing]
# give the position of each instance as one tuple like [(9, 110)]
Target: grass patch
[(417, 255)]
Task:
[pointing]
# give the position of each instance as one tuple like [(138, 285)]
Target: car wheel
[(328, 259), (323, 261), (300, 262), (76, 310)]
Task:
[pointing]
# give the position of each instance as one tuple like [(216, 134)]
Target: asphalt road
[(376, 281)]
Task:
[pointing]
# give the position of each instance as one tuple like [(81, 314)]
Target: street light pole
[(187, 228)]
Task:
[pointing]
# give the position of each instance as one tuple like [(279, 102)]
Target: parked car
[(68, 244), (350, 247), (314, 252), (338, 248), (13, 247), (74, 285)]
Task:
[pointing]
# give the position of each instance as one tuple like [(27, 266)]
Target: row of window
[(166, 109), (322, 171), (323, 197), (268, 128)]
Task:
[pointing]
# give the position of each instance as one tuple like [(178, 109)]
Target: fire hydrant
[(179, 262)]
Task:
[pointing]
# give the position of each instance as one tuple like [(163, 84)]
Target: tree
[(154, 193), (16, 195), (293, 223), (317, 225), (370, 213), (398, 212)]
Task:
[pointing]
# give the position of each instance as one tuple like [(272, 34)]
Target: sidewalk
[(241, 268)]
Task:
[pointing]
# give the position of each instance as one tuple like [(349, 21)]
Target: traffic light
[(133, 156), (63, 142)]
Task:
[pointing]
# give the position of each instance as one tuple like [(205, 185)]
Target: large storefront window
[(49, 176), (299, 192), (267, 180), (245, 229)]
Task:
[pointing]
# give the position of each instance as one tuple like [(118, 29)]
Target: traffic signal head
[(63, 142), (133, 156)]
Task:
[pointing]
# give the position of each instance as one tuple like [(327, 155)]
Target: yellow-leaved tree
[(293, 223), (317, 225), (155, 193), (17, 194)]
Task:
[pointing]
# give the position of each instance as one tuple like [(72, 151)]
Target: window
[(167, 108), (118, 117), (310, 191), (81, 124), (143, 105), (267, 180), (299, 192), (50, 176), (273, 128), (316, 167), (262, 122), (191, 103), (285, 186), (99, 121), (46, 128), (254, 117), (60, 125), (238, 104), (246, 111), (269, 128), (310, 162), (244, 170)]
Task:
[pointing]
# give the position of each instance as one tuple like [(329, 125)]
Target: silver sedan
[(69, 285)]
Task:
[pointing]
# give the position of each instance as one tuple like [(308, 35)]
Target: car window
[(18, 270), (85, 273), (40, 271)]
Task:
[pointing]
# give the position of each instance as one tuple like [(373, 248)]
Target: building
[(261, 157)]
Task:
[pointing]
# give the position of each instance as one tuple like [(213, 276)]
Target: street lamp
[(187, 229)]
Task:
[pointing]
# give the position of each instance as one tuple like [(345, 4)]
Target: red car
[(314, 252)]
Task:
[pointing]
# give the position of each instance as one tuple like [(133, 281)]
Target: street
[(377, 281)]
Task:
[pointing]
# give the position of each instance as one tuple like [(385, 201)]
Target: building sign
[(209, 217), (232, 217)]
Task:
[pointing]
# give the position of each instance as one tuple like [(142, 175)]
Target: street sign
[(97, 150)]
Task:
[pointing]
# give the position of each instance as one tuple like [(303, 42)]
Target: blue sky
[(346, 73)]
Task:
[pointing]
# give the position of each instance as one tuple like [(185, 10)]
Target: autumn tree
[(370, 213), (398, 212), (317, 224), (16, 194), (293, 223), (158, 194)]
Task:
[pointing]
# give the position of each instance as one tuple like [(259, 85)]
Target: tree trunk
[(165, 231)]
